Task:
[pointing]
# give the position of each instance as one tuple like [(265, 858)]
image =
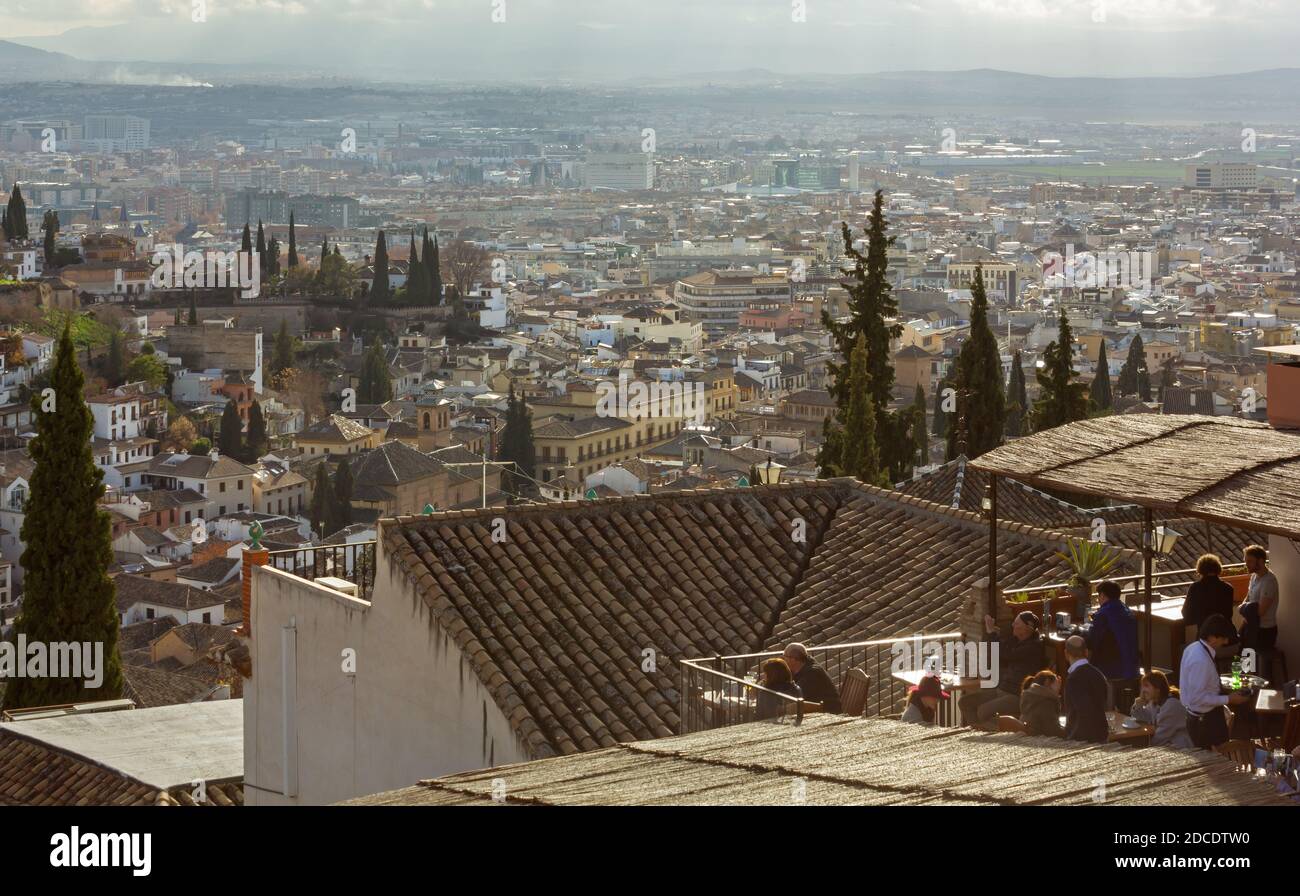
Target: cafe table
[(952, 683), (1138, 735)]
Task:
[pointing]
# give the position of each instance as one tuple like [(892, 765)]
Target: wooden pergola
[(1222, 470)]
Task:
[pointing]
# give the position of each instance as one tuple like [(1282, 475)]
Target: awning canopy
[(1223, 469)]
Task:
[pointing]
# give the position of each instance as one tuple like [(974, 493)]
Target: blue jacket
[(1113, 640)]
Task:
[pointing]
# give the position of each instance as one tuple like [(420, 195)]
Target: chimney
[(214, 454)]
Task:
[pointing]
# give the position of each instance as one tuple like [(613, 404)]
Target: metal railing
[(1165, 583), (351, 561), (724, 690)]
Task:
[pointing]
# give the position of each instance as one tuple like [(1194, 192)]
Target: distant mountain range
[(1260, 97)]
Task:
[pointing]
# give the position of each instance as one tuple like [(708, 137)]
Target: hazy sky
[(617, 39)]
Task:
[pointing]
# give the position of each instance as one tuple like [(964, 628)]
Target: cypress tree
[(1100, 391), (282, 351), (4, 224), (376, 385), (271, 267), (68, 595), (379, 289), (17, 209), (1166, 377), (981, 397), (115, 363), (293, 243), (417, 281), (941, 413), (919, 426), (872, 307), (258, 442), (230, 440), (852, 447), (342, 507), (324, 251), (517, 445), (261, 240), (1134, 378), (50, 224), (321, 499), (1060, 401), (246, 243), (1016, 391)]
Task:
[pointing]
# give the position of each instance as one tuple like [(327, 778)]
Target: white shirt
[(1198, 679), (1082, 661)]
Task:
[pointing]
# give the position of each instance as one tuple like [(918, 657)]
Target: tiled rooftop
[(556, 619)]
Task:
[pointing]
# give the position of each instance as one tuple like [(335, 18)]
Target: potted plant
[(1088, 562)]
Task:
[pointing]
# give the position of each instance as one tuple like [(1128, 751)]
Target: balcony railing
[(1165, 583), (352, 562), (723, 690)]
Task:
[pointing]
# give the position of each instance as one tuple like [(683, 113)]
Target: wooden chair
[(1242, 752), (853, 692), (1011, 723)]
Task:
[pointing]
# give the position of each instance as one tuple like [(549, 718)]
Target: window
[(223, 488), (207, 618), (239, 484), (222, 510), (148, 613)]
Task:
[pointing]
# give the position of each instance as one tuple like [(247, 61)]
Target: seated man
[(1086, 692), (1018, 660), (812, 679), (1113, 645)]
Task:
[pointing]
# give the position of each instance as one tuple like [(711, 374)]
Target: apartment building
[(718, 298)]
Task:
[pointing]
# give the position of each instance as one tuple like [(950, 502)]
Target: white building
[(620, 170)]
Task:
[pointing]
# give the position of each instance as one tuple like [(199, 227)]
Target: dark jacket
[(1017, 660), (817, 686), (1040, 710), (1113, 640), (1085, 705), (770, 706), (1206, 597)]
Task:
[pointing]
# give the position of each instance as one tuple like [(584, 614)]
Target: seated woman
[(1158, 704), (1040, 704), (775, 676), (923, 701)]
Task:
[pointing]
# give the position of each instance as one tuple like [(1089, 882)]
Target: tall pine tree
[(850, 448), (376, 386), (258, 443), (230, 439), (282, 350), (1060, 399), (322, 501), (17, 214), (342, 504), (872, 311), (1100, 391), (293, 243), (517, 446), (246, 241), (68, 595), (1134, 378), (981, 395), (379, 288)]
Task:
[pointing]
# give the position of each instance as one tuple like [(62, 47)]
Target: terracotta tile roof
[(138, 757), (153, 686), (554, 621), (335, 428)]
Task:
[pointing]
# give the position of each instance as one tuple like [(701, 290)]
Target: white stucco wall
[(414, 709)]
